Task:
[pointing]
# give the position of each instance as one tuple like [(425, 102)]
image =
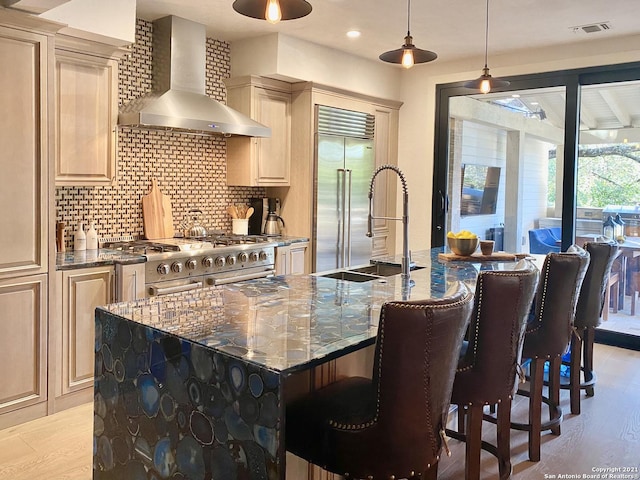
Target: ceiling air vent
[(592, 28)]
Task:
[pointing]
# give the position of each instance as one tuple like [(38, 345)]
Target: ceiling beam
[(616, 106)]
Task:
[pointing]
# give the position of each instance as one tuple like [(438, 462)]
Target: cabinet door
[(261, 161), (87, 102), (23, 136), (23, 336), (129, 282), (282, 254), (83, 290), (274, 158), (297, 258)]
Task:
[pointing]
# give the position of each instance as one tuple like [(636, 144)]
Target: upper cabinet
[(86, 112), (260, 161)]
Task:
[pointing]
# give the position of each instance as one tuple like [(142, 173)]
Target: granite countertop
[(284, 240), (286, 323), (95, 258)]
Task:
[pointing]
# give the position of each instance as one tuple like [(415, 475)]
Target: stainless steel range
[(178, 265)]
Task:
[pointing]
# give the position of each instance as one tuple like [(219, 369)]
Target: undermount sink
[(350, 276), (367, 273), (382, 269)]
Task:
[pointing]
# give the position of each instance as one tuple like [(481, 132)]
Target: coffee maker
[(258, 220)]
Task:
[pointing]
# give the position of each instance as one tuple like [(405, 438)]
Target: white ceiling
[(454, 29)]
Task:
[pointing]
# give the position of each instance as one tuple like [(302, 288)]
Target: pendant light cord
[(408, 16), (486, 38)]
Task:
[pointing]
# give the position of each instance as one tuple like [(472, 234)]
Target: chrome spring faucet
[(406, 254)]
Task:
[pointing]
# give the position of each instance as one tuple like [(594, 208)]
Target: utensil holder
[(240, 226)]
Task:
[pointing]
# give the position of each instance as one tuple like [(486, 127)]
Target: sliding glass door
[(542, 165)]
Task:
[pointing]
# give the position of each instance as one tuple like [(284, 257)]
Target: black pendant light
[(408, 54), (485, 82), (273, 10)]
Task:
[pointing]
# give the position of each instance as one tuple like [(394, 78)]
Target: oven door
[(239, 275), (174, 286)]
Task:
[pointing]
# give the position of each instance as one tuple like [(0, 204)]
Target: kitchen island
[(192, 385)]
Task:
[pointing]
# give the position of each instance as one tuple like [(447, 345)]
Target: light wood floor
[(606, 434)]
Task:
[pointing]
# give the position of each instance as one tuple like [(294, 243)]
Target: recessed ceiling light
[(353, 33), (535, 103), (515, 95)]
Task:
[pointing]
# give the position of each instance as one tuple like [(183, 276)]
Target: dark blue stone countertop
[(95, 258), (286, 323)]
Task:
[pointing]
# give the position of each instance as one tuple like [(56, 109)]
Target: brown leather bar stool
[(591, 303), (390, 426), (488, 367), (547, 337)]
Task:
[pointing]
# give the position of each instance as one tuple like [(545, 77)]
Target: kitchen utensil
[(157, 214), (194, 229), (271, 226), (250, 211), (231, 210)]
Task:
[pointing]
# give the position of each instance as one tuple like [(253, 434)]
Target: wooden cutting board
[(478, 257), (157, 214)]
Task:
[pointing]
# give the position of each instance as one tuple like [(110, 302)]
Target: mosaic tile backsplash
[(191, 169)]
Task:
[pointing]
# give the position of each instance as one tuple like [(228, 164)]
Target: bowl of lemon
[(463, 243)]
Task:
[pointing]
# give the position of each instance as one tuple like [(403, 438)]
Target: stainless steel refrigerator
[(345, 162)]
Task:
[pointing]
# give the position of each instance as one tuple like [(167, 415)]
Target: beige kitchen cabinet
[(260, 161), (291, 259), (26, 200), (24, 195), (23, 344), (86, 113), (297, 200), (81, 291), (129, 282)]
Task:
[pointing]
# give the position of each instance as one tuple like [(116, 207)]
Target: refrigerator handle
[(347, 213), (341, 216)]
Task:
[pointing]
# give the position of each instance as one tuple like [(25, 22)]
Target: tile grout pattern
[(191, 169)]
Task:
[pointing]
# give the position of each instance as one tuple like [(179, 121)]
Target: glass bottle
[(609, 229)]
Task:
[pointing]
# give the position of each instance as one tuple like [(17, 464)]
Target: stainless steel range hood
[(178, 100)]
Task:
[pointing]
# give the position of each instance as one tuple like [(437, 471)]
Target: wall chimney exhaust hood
[(178, 100)]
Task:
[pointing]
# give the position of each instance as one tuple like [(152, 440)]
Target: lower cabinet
[(291, 259), (81, 290), (23, 346)]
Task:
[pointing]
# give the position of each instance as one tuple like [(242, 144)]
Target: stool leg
[(574, 372), (461, 419), (535, 407), (473, 442), (554, 389), (504, 438), (589, 333)]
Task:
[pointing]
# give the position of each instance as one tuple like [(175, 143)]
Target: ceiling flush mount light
[(273, 10), (486, 82), (408, 54)]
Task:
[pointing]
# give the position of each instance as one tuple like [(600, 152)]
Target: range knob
[(176, 267), (191, 264), (163, 269), (231, 260), (207, 262), (242, 257), (220, 262), (253, 256), (263, 255)]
